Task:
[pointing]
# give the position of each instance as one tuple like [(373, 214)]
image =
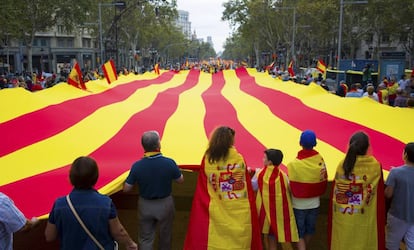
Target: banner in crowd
[(43, 132)]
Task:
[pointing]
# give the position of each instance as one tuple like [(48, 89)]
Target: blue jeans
[(306, 220)]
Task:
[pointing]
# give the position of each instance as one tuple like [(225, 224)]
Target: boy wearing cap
[(273, 202), (308, 181)]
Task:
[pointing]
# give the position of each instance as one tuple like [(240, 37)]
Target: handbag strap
[(82, 224)]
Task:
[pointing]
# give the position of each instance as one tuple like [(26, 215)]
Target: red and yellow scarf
[(357, 207), (274, 205), (307, 174), (223, 214)]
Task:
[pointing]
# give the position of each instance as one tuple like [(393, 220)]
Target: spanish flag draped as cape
[(274, 205), (307, 174), (357, 207), (223, 214)]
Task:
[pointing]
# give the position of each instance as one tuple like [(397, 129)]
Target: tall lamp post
[(292, 47), (100, 25), (341, 14)]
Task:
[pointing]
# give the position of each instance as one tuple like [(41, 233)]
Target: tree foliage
[(268, 25)]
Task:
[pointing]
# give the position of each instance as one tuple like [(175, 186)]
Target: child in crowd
[(308, 180), (273, 202), (399, 186)]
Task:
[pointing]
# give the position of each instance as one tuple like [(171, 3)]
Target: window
[(86, 43), (43, 42), (70, 42), (385, 38), (60, 29), (61, 42)]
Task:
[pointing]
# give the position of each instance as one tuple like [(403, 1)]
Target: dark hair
[(84, 173), (221, 140), (358, 145), (409, 150), (150, 141), (274, 155)]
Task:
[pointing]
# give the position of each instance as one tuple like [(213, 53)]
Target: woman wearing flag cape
[(223, 214), (357, 204)]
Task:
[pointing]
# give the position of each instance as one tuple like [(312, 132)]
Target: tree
[(26, 17)]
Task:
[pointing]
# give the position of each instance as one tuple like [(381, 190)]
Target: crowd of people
[(389, 91), (247, 209)]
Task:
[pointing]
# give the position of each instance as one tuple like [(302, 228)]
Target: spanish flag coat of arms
[(223, 214)]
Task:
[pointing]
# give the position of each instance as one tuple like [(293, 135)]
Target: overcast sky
[(205, 18)]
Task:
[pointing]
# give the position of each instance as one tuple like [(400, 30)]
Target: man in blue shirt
[(12, 220), (399, 188), (154, 174)]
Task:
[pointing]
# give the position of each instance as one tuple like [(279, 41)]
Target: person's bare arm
[(121, 235), (180, 179), (51, 232), (29, 224), (127, 187), (389, 191)]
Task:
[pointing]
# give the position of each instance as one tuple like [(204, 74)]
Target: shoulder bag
[(85, 228)]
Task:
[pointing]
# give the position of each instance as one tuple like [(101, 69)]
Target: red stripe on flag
[(286, 211), (305, 190), (384, 146), (18, 134), (198, 231), (272, 202), (226, 115), (46, 187)]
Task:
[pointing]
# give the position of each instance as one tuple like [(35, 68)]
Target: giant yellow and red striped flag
[(45, 131), (109, 71)]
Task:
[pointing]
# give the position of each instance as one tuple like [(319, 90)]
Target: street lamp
[(341, 13), (292, 48), (100, 24)]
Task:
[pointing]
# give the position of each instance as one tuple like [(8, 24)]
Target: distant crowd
[(390, 91)]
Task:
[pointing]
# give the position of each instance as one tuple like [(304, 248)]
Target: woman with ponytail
[(357, 206)]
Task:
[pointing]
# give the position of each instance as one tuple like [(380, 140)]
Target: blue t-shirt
[(94, 209), (402, 205), (154, 176)]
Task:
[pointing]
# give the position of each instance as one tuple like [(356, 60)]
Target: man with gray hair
[(154, 174)]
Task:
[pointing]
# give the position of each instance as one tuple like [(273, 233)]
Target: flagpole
[(100, 26), (341, 13), (100, 34)]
